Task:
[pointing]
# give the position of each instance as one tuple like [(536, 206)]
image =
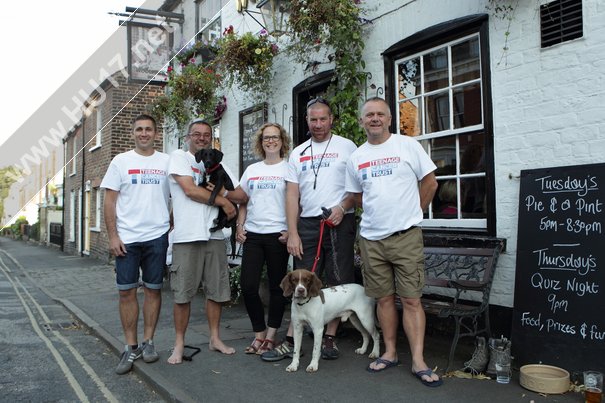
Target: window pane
[(435, 70), (472, 192), (410, 117), (409, 79), (443, 154), (467, 105), (465, 61), (445, 202), (472, 153), (437, 112)]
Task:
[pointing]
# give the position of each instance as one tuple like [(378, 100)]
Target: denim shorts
[(150, 257)]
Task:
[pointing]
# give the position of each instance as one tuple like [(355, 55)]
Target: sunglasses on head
[(318, 100)]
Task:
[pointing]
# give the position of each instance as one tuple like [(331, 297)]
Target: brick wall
[(122, 104)]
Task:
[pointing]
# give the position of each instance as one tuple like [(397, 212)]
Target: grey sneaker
[(478, 361), (149, 353), (284, 350), (128, 357), (501, 344), (329, 351)]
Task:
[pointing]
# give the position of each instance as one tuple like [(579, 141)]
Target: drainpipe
[(64, 182), (82, 217)]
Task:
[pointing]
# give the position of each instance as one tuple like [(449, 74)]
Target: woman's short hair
[(258, 140)]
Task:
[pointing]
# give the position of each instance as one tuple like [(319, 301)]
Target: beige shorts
[(394, 265), (198, 262)]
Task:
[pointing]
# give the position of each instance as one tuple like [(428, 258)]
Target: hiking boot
[(128, 357), (149, 353), (329, 351), (478, 361), (501, 344), (284, 350)]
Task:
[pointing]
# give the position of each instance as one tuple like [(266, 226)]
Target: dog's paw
[(292, 368), (361, 350), (312, 368), (373, 354)]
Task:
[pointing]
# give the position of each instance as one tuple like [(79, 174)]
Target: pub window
[(440, 98)]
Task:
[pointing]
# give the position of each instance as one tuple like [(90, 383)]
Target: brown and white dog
[(317, 307)]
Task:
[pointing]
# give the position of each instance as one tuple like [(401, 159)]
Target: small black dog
[(216, 174)]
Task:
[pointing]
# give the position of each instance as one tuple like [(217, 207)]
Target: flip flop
[(387, 364), (428, 372)]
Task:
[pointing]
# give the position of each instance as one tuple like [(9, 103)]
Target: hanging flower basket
[(246, 61), (190, 93)]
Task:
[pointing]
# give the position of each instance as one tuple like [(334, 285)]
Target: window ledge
[(95, 229), (72, 174), (96, 147)]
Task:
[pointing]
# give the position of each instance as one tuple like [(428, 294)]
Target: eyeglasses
[(269, 139), (318, 100), (197, 135)]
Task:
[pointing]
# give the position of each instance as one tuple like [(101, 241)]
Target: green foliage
[(246, 61), (34, 231), (16, 226), (235, 275), (8, 176), (337, 26), (191, 93)]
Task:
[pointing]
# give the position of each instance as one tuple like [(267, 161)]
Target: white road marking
[(68, 374)]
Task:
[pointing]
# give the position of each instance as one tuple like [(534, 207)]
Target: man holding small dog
[(315, 180), (198, 255), (387, 170)]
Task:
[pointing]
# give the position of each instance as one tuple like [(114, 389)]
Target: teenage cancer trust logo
[(379, 167), (146, 176), (264, 182)]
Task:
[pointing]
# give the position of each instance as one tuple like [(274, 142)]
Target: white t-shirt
[(326, 162), (192, 220), (265, 185), (142, 208), (388, 175)]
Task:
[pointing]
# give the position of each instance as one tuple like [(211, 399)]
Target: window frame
[(446, 34), (99, 129)]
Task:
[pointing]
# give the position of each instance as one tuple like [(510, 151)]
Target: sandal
[(254, 346), (266, 346)]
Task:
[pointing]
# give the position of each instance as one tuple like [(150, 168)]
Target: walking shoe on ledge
[(149, 353), (329, 351), (128, 357), (284, 350), (478, 361)]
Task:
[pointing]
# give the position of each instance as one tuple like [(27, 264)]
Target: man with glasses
[(316, 180), (198, 256)]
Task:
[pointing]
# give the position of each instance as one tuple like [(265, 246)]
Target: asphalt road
[(47, 355)]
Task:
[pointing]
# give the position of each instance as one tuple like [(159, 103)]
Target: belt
[(403, 231)]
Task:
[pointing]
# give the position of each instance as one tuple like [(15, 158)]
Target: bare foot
[(218, 345), (177, 356)]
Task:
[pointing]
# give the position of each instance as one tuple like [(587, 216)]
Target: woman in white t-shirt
[(262, 230)]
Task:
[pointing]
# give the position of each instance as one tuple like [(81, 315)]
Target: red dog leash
[(322, 225)]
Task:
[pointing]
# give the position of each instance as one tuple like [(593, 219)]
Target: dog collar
[(214, 168), (301, 304)]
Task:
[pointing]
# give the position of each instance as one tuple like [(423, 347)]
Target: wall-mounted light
[(272, 13)]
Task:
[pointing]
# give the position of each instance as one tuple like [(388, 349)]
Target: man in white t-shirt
[(315, 179), (385, 173), (137, 217), (198, 256)]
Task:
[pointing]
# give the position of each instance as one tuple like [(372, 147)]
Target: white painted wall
[(548, 103)]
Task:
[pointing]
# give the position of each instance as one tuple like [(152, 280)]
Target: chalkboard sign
[(250, 120), (559, 308)]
